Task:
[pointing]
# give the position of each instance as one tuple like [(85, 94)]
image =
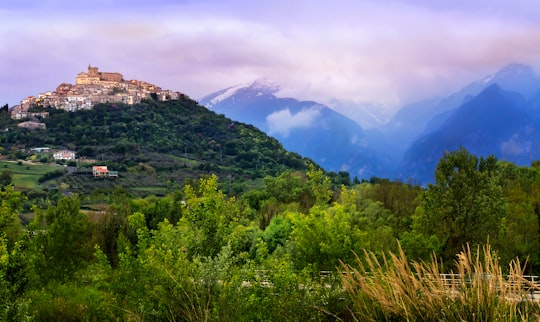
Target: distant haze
[(386, 52)]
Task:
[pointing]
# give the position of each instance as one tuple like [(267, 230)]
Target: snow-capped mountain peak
[(265, 85), (260, 86), (219, 96)]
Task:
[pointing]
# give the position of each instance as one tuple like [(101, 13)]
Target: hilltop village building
[(91, 87), (95, 77)]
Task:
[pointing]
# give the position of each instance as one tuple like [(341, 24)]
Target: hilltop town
[(92, 87)]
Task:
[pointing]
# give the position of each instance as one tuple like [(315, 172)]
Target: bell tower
[(92, 71)]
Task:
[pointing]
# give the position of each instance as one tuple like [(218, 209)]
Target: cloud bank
[(282, 122), (389, 52)]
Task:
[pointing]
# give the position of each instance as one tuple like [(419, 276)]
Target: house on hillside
[(101, 171), (19, 115), (64, 155)]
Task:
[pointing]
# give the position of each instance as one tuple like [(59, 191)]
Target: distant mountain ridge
[(494, 122), (411, 143), (420, 118), (367, 115), (311, 129)]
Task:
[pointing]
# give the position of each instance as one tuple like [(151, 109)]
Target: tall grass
[(394, 289)]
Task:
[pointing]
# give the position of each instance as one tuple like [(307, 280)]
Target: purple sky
[(386, 51)]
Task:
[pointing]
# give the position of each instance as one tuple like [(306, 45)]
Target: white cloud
[(282, 122), (514, 146)]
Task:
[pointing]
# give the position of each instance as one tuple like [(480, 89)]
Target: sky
[(389, 52)]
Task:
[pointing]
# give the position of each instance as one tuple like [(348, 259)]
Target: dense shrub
[(50, 175)]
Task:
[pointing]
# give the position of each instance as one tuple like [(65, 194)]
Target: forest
[(296, 248), (212, 220)]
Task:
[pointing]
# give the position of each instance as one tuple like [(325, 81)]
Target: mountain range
[(497, 115), (311, 129)]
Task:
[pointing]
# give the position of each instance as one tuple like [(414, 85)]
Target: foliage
[(210, 217), (465, 205), (50, 175), (62, 235), (14, 262), (6, 177), (276, 252), (518, 237), (10, 204)]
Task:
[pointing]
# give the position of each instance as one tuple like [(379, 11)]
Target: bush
[(6, 177), (71, 303), (50, 175)]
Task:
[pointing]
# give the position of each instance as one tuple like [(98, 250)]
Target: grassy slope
[(26, 175)]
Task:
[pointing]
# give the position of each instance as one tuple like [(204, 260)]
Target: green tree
[(519, 230), (277, 233), (62, 242), (210, 216), (326, 235), (465, 205), (14, 264), (399, 198), (14, 279), (11, 203), (320, 185), (6, 177)]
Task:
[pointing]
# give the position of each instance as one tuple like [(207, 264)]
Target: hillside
[(155, 145)]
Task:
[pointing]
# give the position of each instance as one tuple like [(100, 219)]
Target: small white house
[(64, 155)]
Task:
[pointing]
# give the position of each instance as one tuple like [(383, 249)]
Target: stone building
[(93, 76), (32, 125), (63, 89)]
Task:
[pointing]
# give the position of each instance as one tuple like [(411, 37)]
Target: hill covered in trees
[(155, 145)]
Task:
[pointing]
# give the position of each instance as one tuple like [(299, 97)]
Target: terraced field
[(26, 174)]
